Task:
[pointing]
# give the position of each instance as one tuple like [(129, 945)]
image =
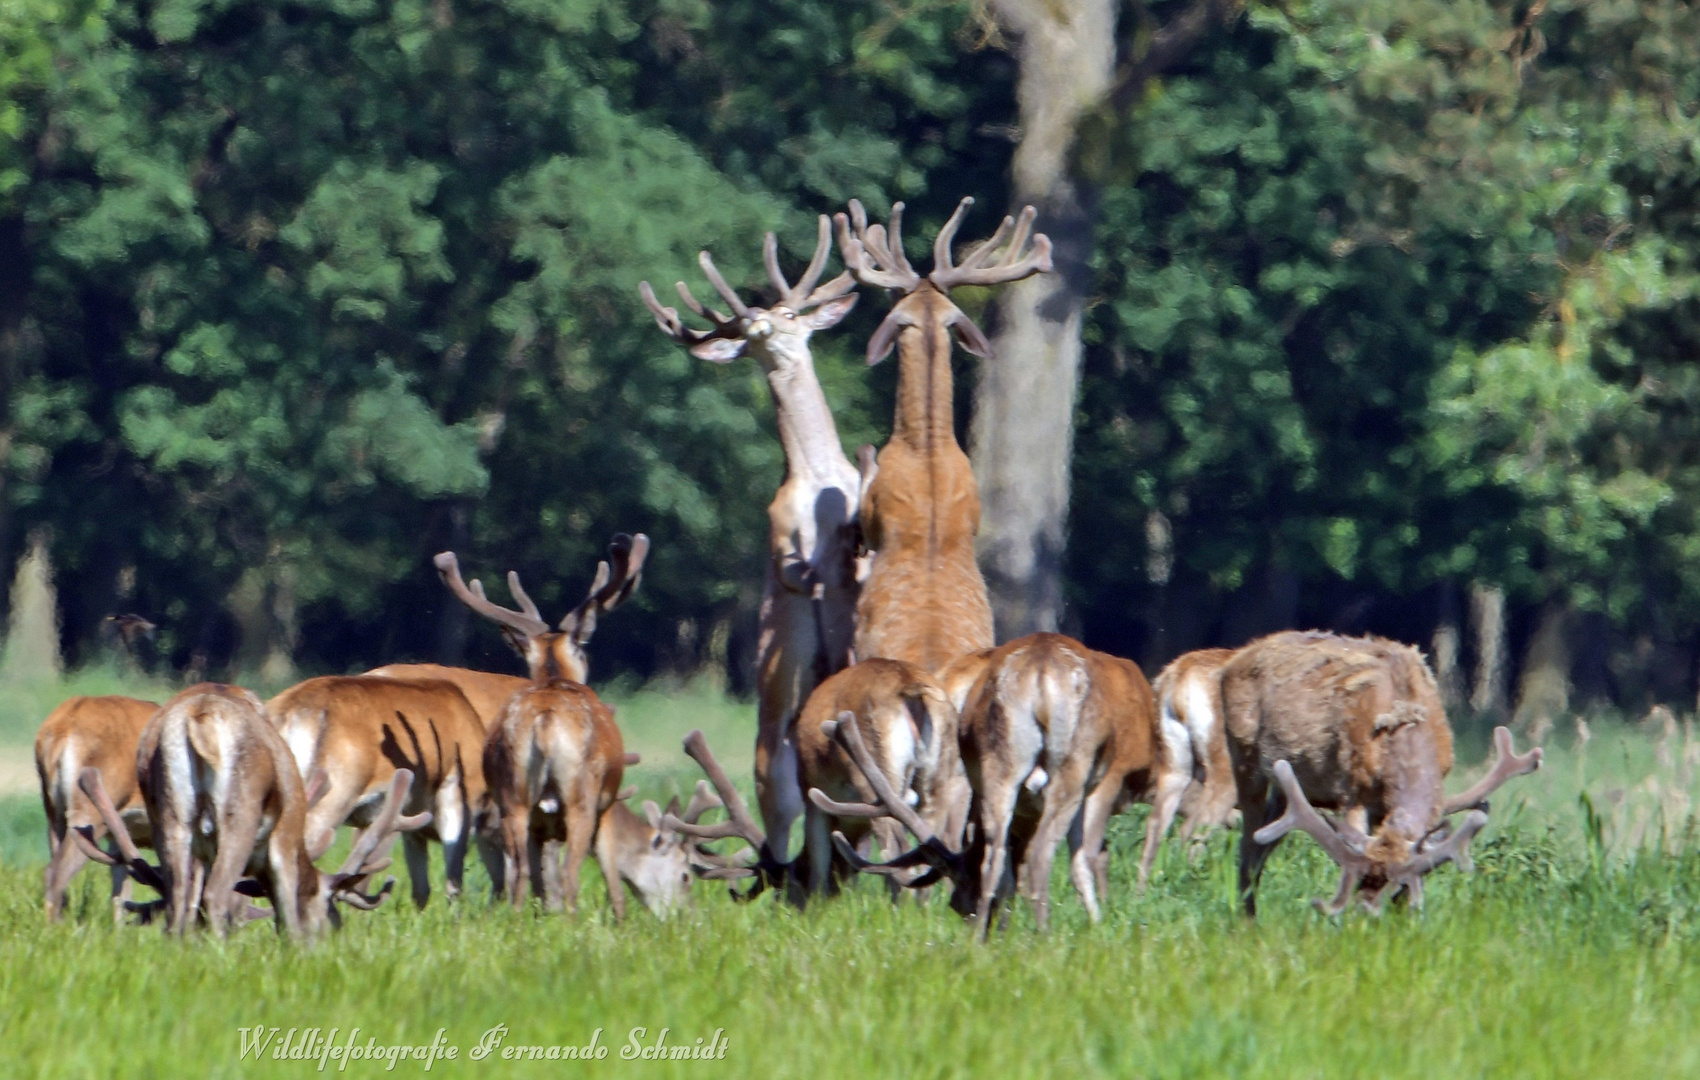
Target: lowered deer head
[(559, 653)]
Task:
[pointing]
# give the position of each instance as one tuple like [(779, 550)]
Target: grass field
[(1571, 952)]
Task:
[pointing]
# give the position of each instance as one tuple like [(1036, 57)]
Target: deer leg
[(995, 813), (779, 793), (120, 887), (67, 859), (817, 849), (608, 860), (237, 827), (1062, 802), (516, 844), (1170, 787), (285, 887), (1256, 813), (581, 831), (542, 857), (1085, 865), (449, 819), (178, 863), (418, 858)]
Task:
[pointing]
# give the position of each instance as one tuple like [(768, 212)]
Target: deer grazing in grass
[(229, 815), (924, 600), (1189, 695), (911, 727), (99, 733), (553, 758), (1355, 725), (359, 731), (808, 603), (1046, 722)]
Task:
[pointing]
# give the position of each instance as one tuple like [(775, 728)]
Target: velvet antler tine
[(770, 259), (942, 242), (720, 286), (841, 809), (1507, 764), (448, 567), (1301, 814), (665, 317), (738, 812), (385, 826), (703, 799), (823, 245), (849, 735), (142, 870), (900, 261), (525, 602), (1019, 258), (983, 250)]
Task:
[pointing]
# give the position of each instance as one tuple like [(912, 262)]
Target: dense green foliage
[(1389, 298)]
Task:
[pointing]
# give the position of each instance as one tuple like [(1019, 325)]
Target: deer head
[(778, 335), (874, 254), (558, 653)]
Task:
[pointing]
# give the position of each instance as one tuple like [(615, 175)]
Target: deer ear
[(652, 813), (969, 336), (718, 350), (879, 346), (831, 313)]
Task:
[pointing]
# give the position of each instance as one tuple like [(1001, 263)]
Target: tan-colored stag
[(554, 758), (911, 728), (1355, 725), (359, 731), (99, 733), (808, 607), (924, 600), (229, 812)]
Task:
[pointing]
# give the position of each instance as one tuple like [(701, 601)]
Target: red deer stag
[(1355, 725), (1189, 695), (554, 758), (98, 733), (1047, 721), (808, 607), (359, 730), (924, 600), (912, 728), (229, 814)]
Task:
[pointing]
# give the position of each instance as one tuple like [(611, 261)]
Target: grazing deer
[(808, 606), (99, 733), (924, 600), (1046, 722), (554, 758), (229, 813), (912, 728), (486, 691), (1355, 725), (655, 860), (359, 730), (1189, 695)]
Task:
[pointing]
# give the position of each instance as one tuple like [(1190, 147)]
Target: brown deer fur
[(924, 601), (89, 732), (360, 729), (486, 691), (911, 730), (1356, 725), (227, 803), (808, 606), (1189, 694)]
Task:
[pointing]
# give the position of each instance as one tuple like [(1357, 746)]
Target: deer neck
[(925, 416), (806, 429)]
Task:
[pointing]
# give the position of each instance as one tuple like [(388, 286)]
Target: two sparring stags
[(240, 797), (885, 706)]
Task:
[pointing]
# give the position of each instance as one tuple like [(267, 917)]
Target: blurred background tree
[(1383, 316)]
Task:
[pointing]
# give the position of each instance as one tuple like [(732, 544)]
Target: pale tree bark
[(1445, 649), (32, 633), (1543, 691), (1487, 619), (1022, 433)]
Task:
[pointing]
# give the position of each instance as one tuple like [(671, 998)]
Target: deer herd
[(886, 708)]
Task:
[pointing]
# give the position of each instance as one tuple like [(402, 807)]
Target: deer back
[(906, 720), (486, 691), (92, 732)]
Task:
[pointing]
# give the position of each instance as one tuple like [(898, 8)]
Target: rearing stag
[(808, 604), (924, 600)]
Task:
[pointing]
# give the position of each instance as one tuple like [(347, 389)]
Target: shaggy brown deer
[(924, 600), (229, 812), (99, 733), (1355, 725), (808, 606), (554, 758), (359, 730)]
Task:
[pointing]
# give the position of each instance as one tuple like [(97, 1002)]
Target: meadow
[(1570, 952)]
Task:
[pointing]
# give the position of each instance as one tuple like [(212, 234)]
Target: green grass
[(1561, 957)]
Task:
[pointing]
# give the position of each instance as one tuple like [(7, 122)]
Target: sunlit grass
[(1551, 961)]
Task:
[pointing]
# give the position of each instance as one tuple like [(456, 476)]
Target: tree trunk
[(1022, 434), (1445, 647), (32, 630), (1487, 618), (1543, 692)]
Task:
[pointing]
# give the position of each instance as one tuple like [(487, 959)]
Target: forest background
[(1370, 316)]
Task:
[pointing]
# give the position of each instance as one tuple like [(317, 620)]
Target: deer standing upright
[(808, 603), (924, 600)]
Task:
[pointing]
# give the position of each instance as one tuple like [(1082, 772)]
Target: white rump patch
[(1037, 779)]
